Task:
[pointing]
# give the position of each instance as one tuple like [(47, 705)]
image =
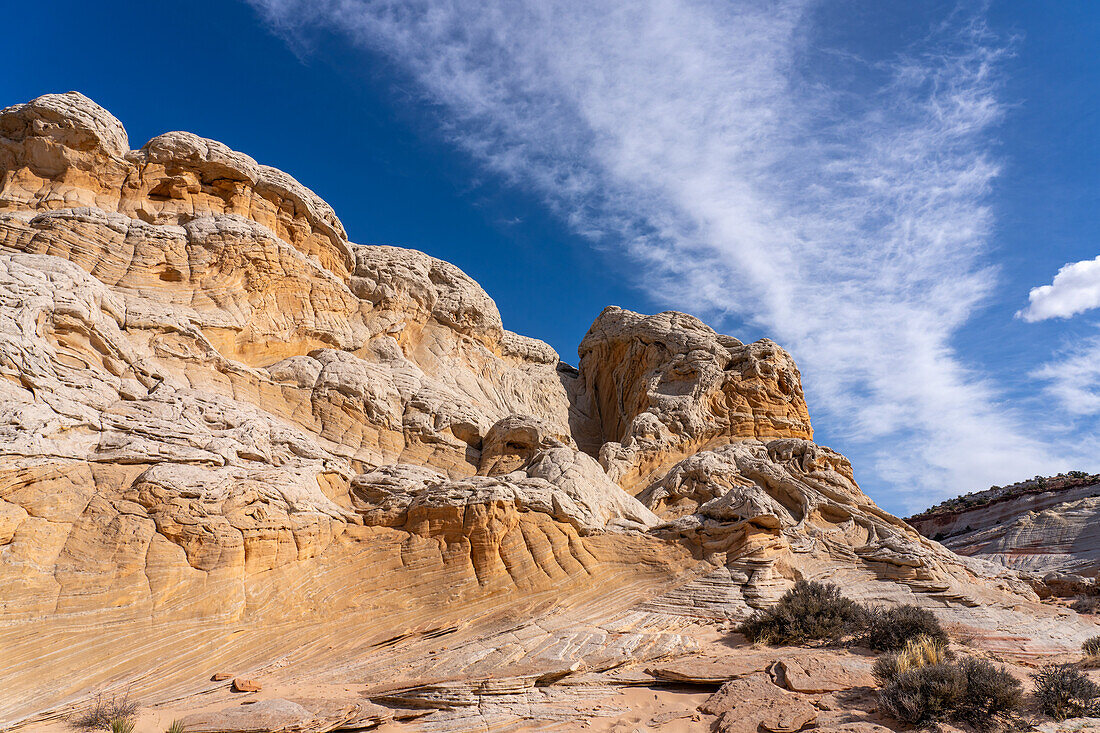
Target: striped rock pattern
[(1039, 531), (233, 440)]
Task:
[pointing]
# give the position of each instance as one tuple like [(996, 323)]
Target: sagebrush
[(923, 695), (1063, 691), (991, 694), (1091, 646), (971, 691), (888, 629), (812, 611), (809, 611)]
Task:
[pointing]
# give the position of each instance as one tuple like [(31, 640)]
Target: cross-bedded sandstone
[(232, 439)]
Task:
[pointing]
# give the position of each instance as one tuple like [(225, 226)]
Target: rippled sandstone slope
[(232, 439)]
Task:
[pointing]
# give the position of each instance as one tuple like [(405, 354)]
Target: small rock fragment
[(241, 684)]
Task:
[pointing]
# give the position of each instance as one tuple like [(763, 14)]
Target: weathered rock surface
[(230, 439), (658, 388), (278, 715), (747, 704), (1042, 527)]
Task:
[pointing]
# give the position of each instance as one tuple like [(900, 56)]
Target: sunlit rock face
[(657, 388), (1042, 526), (229, 437)]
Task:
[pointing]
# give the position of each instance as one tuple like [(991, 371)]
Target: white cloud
[(1074, 378), (1076, 289), (846, 221)]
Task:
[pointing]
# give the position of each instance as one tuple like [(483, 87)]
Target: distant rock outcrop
[(231, 439), (1041, 526)]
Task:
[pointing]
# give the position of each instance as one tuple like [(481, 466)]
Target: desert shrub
[(969, 691), (122, 725), (176, 727), (924, 694), (808, 611), (888, 629), (105, 711), (921, 651), (1063, 691), (991, 692), (1086, 604), (1091, 646)]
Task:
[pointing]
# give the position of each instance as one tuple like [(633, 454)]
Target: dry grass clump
[(122, 725), (1091, 648), (176, 727), (920, 651), (971, 691), (809, 611), (106, 712), (1063, 691)]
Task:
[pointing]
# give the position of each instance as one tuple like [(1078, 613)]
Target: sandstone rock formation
[(655, 388), (1041, 526), (231, 439)]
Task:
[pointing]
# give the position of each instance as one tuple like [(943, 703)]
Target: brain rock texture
[(231, 437)]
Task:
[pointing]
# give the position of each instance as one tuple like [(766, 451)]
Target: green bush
[(809, 611), (969, 691), (888, 629), (122, 725), (176, 727), (1063, 691)]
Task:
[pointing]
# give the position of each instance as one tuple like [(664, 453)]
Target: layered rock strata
[(231, 439), (1043, 526)]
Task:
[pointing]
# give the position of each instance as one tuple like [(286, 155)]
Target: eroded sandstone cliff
[(231, 438), (1041, 526)]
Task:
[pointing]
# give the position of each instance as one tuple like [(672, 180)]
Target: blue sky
[(879, 187)]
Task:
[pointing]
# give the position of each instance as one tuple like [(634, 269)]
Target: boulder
[(243, 684), (747, 704)]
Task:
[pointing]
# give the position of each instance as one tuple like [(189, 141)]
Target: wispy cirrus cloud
[(847, 220), (1075, 289), (1073, 378)]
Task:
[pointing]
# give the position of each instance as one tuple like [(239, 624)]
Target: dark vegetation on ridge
[(995, 494)]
